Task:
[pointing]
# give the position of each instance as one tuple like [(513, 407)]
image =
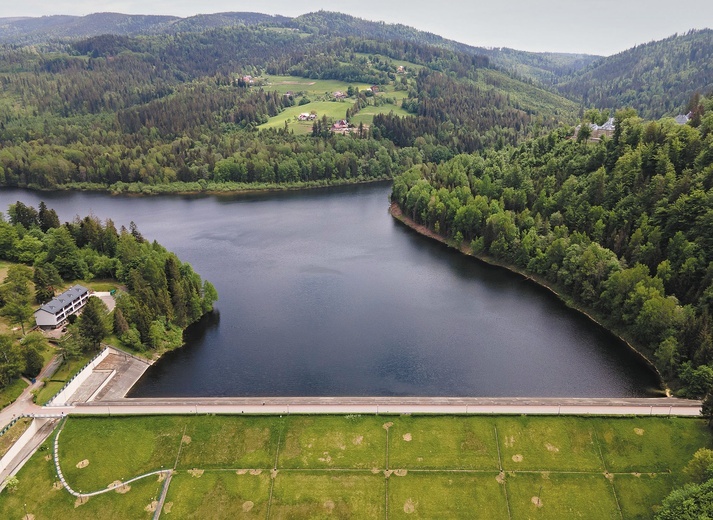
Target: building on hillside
[(596, 131), (339, 95), (341, 127), (55, 313), (682, 119)]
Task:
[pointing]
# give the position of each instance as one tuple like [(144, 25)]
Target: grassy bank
[(364, 466)]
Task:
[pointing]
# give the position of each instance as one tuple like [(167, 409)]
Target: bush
[(33, 362)]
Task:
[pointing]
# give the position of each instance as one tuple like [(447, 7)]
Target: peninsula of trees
[(159, 295)]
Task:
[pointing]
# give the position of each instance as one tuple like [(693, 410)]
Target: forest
[(622, 226), (112, 110), (160, 295)]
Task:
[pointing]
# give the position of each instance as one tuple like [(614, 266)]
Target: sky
[(602, 27)]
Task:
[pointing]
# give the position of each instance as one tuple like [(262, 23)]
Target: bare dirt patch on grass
[(161, 477), (57, 485), (509, 441), (255, 471), (327, 457), (517, 458), (242, 472), (409, 506), (537, 501), (48, 458), (186, 439), (329, 505), (273, 474), (248, 505), (151, 508), (119, 487), (551, 448), (387, 473), (82, 463), (80, 501), (609, 476), (407, 437), (500, 478), (639, 431), (375, 470), (356, 441), (400, 472), (167, 507), (388, 425), (195, 472), (637, 475)]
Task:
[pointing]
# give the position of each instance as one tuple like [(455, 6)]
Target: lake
[(323, 293)]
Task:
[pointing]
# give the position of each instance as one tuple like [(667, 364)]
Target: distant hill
[(60, 27), (46, 28), (656, 78), (543, 67)]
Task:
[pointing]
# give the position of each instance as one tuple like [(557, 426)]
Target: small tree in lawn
[(92, 324)]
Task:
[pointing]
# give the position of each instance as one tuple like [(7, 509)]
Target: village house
[(339, 95), (400, 69), (55, 313), (341, 126), (306, 116), (598, 131), (682, 119)]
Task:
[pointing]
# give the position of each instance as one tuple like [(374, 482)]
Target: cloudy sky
[(596, 27)]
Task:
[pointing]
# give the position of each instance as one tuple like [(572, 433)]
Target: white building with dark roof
[(55, 312)]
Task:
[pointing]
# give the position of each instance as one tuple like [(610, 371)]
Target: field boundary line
[(180, 445), (502, 472), (273, 476), (386, 476), (606, 469)]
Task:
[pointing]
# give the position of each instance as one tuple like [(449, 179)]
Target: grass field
[(363, 467), (319, 92), (12, 392)]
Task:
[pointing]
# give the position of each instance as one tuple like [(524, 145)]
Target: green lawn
[(12, 392), (65, 372), (217, 495), (311, 87), (366, 114), (447, 496), (365, 466)]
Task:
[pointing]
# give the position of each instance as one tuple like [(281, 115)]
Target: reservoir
[(323, 293)]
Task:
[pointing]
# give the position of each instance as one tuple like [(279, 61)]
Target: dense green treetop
[(162, 295), (656, 78)]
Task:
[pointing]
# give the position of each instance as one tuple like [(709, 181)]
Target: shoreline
[(211, 188), (396, 212)]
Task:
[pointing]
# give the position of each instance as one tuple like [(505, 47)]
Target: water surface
[(323, 293)]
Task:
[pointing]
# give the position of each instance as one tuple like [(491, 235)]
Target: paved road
[(23, 405), (389, 405)]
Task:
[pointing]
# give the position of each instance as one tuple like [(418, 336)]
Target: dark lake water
[(323, 293)]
